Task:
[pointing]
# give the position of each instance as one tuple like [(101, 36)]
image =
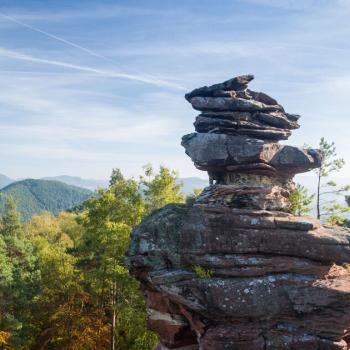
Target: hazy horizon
[(90, 86)]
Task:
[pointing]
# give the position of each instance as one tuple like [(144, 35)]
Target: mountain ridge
[(33, 196)]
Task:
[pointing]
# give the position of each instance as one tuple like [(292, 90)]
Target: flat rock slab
[(208, 231), (240, 127), (232, 104), (222, 152), (272, 119)]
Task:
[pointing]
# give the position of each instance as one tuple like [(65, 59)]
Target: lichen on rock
[(236, 270)]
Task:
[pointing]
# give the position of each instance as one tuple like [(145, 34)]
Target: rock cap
[(235, 84)]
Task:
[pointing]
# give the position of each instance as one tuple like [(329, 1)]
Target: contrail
[(15, 20), (136, 77), (143, 79)]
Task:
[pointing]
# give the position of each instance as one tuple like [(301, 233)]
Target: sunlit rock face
[(237, 270)]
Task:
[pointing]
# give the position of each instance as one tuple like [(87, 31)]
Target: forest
[(64, 284), (35, 196), (63, 281)]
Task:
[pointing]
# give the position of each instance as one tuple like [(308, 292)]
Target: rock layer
[(222, 152), (236, 270)]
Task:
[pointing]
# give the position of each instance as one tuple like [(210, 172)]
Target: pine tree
[(20, 278), (300, 200), (329, 163)]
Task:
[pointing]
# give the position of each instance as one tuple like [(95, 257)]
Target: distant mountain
[(35, 196), (63, 192), (91, 184), (4, 181)]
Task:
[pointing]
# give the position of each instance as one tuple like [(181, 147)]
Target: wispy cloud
[(147, 132), (54, 37), (111, 74), (87, 13), (290, 4), (52, 151), (63, 93)]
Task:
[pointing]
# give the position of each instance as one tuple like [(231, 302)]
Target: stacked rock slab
[(236, 270)]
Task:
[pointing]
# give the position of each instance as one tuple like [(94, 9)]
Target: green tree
[(329, 164), (107, 223), (59, 277), (18, 279), (300, 200), (64, 316), (161, 188)]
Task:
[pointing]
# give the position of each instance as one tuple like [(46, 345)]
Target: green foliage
[(330, 163), (300, 200), (330, 211), (107, 222), (51, 239), (202, 272), (18, 280), (191, 198), (65, 316), (346, 222), (334, 213), (161, 188), (63, 281), (35, 196)]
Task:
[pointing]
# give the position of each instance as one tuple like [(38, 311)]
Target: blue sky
[(91, 85)]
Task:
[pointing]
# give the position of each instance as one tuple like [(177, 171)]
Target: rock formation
[(237, 270)]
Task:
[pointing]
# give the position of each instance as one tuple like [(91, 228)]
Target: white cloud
[(87, 13), (289, 4), (111, 74), (300, 57)]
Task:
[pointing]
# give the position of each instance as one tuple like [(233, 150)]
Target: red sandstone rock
[(236, 270)]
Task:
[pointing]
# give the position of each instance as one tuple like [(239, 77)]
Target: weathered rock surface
[(232, 85), (241, 127), (272, 277), (237, 270), (235, 104), (222, 152)]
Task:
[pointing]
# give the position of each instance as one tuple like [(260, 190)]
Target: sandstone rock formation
[(237, 270)]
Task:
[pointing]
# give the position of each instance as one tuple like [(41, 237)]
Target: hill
[(92, 184), (4, 181), (35, 196)]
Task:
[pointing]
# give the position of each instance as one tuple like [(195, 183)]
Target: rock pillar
[(236, 270)]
